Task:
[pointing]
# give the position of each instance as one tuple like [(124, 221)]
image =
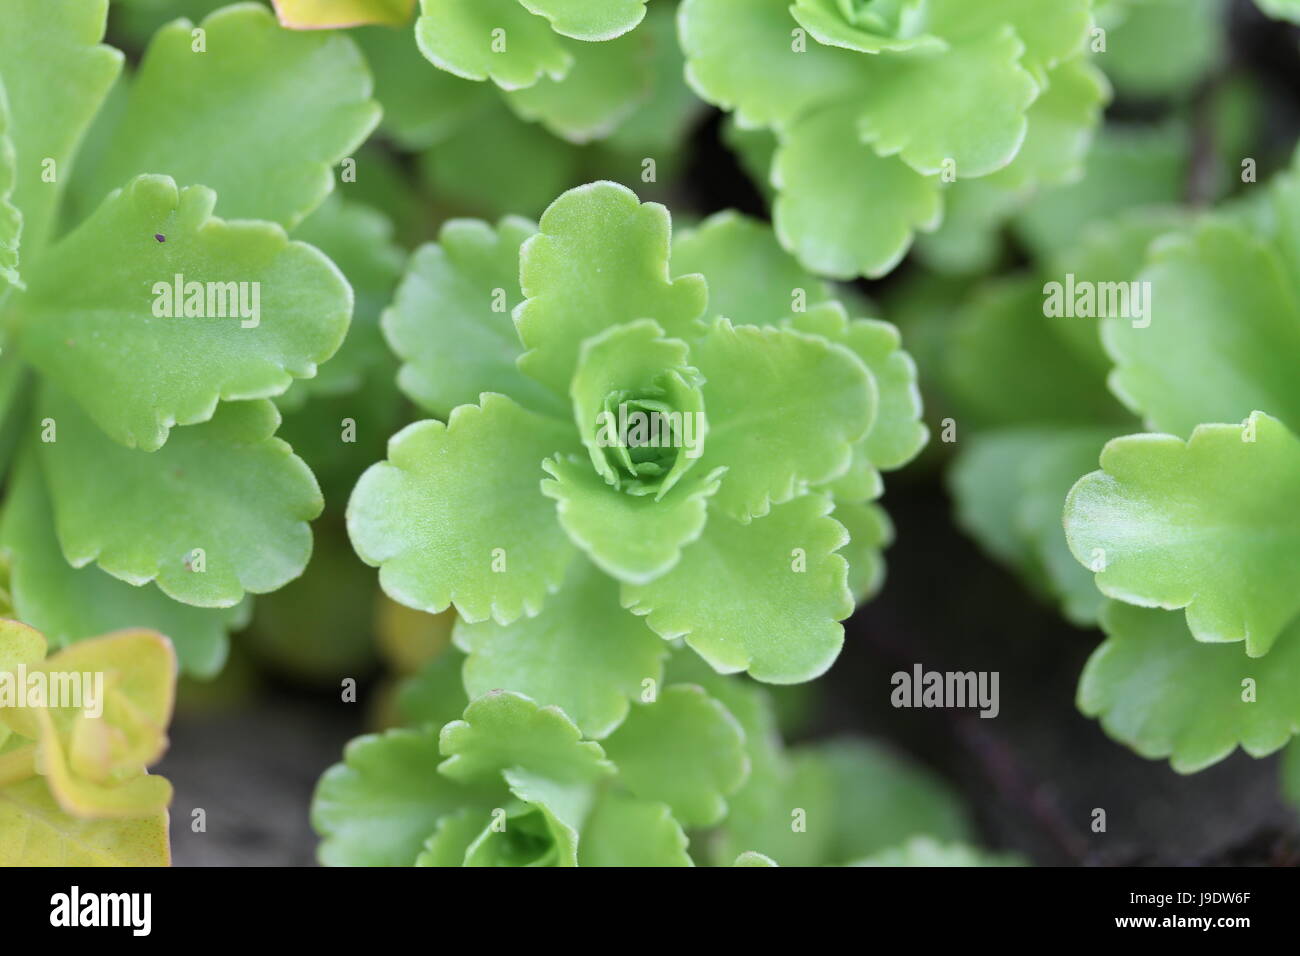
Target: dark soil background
[(1032, 777)]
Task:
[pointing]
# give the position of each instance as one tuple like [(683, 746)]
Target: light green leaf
[(625, 831), (908, 105), (764, 596), (1224, 325), (1205, 525), (109, 341), (11, 220), (635, 538), (1281, 9), (784, 410), (450, 321), (741, 56), (456, 515), (897, 434), (751, 858), (602, 89), (1167, 696), (684, 749), (843, 209), (380, 804), (227, 487), (302, 98), (870, 532), (867, 30), (507, 732), (752, 280), (491, 39), (436, 694), (583, 653), (452, 838), (589, 19), (40, 581), (56, 74), (1051, 32), (600, 259), (1165, 47)]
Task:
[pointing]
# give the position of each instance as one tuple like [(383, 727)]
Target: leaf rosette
[(627, 444), (881, 106)]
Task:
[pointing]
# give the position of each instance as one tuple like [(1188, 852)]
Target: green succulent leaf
[(227, 488), (450, 322), (380, 804), (752, 280), (740, 56), (435, 695), (1202, 525), (40, 580), (1165, 47), (634, 538), (302, 98), (455, 516), (600, 259), (1281, 9), (625, 831), (1050, 33), (134, 353), (763, 597), (867, 30), (683, 749), (1168, 696), (11, 220), (751, 858), (56, 74), (589, 19), (601, 89), (784, 411), (908, 103), (870, 532), (1224, 321), (842, 208), (583, 653), (897, 434), (505, 732), (491, 39)]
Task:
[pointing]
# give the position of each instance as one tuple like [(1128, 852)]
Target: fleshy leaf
[(870, 532), (1205, 525), (583, 653), (600, 259), (626, 831), (1224, 323), (1051, 32), (602, 89), (341, 14), (843, 209), (635, 538), (589, 19), (684, 749), (11, 220), (132, 351), (303, 102), (504, 731), (908, 104), (897, 433), (380, 804), (764, 596), (227, 487), (1165, 695), (752, 858), (867, 31), (741, 56), (784, 411), (450, 321), (40, 581), (35, 832), (491, 39), (752, 280), (456, 515), (57, 75)]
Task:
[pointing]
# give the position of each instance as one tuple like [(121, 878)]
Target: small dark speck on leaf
[(160, 237)]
